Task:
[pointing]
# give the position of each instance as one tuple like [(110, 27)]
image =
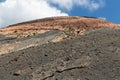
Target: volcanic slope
[(37, 32), (60, 48), (15, 44), (92, 56)]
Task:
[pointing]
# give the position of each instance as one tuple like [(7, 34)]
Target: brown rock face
[(77, 24)]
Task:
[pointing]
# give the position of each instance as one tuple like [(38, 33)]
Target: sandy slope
[(93, 56)]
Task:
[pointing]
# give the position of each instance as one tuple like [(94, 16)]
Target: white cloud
[(67, 4), (88, 4), (15, 11), (104, 18)]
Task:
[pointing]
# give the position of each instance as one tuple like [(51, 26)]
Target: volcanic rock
[(60, 48)]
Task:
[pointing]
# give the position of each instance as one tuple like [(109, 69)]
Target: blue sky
[(111, 11), (2, 0), (15, 11)]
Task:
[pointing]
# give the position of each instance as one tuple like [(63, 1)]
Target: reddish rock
[(76, 23)]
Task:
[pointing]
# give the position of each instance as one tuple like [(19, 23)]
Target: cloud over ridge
[(15, 11)]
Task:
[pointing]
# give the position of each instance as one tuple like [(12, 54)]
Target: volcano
[(60, 48)]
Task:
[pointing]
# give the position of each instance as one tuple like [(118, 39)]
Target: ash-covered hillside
[(60, 48)]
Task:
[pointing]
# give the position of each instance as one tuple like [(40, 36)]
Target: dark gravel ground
[(93, 56)]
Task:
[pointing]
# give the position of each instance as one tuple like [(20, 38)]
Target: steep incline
[(93, 56), (60, 48)]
